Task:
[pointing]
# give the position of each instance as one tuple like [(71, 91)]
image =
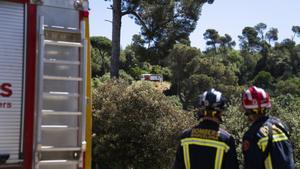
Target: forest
[(138, 125)]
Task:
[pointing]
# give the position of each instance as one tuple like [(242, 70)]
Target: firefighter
[(206, 145), (266, 145)]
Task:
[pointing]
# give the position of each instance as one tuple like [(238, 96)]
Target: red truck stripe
[(30, 86), (20, 1)]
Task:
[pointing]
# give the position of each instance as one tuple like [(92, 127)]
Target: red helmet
[(256, 98)]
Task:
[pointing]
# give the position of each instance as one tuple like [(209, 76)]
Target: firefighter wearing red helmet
[(266, 144), (206, 145)]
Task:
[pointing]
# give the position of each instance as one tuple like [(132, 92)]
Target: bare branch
[(108, 20), (131, 12)]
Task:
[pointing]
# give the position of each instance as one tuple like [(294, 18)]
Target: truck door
[(12, 27)]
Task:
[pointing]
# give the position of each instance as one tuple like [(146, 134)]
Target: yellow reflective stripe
[(220, 146), (268, 161), (205, 142), (276, 138), (279, 137), (263, 142), (186, 155), (219, 158)]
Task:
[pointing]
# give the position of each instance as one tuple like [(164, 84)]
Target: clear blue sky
[(226, 16)]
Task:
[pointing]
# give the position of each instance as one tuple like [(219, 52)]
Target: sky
[(225, 16)]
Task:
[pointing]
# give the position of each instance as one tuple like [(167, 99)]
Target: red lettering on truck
[(5, 90)]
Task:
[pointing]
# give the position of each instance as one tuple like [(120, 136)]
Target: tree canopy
[(163, 47)]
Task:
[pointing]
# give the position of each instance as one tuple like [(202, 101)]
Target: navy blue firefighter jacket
[(279, 155), (206, 146)]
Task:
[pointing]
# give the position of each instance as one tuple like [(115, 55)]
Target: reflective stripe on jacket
[(206, 146), (256, 140)]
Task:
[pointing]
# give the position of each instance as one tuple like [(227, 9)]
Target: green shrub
[(135, 126), (97, 81), (136, 72), (236, 124), (291, 85), (287, 107), (263, 79)]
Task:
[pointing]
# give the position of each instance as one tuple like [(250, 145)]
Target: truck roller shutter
[(11, 78)]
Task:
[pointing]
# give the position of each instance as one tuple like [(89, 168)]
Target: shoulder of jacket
[(279, 124), (270, 124), (273, 119), (224, 133), (186, 133)]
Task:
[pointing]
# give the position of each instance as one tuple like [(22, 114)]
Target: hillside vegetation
[(136, 123)]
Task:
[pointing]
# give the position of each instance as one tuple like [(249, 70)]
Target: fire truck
[(45, 91)]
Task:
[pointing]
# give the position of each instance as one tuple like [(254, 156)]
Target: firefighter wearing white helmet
[(206, 145), (266, 144)]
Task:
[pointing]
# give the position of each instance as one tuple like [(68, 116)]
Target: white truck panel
[(11, 77)]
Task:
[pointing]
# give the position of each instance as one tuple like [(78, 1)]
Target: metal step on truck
[(45, 88)]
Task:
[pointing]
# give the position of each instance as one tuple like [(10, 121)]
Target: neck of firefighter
[(217, 118), (253, 117), (254, 114), (214, 119)]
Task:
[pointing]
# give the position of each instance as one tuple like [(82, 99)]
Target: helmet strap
[(210, 113), (254, 111), (213, 113)]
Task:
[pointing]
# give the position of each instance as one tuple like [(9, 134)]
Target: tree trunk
[(116, 34)]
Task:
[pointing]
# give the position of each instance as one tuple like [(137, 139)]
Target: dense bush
[(136, 72), (135, 126), (263, 79), (97, 81), (138, 125), (287, 108), (236, 124), (291, 85)]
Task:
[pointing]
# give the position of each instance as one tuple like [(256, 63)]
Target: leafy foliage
[(101, 51), (193, 73), (286, 107), (236, 124), (249, 39), (165, 23), (272, 35), (296, 30), (214, 41), (137, 125), (212, 36), (263, 79), (103, 44), (291, 86)]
